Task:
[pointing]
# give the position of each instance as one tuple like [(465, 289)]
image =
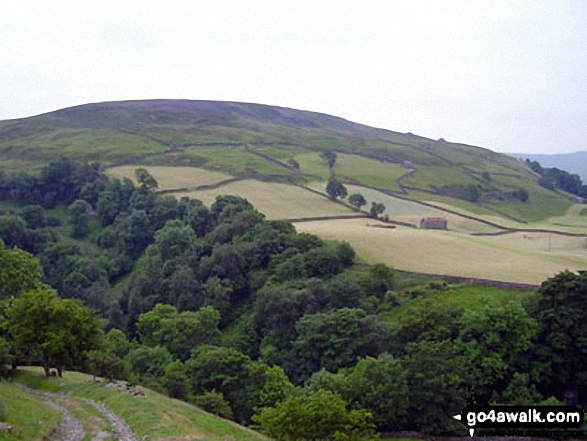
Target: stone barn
[(433, 223)]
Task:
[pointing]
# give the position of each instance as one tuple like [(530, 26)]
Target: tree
[(381, 279), (145, 179), (437, 380), (358, 200), (78, 212), (329, 156), (380, 385), (493, 339), (335, 188), (320, 415), (175, 380), (34, 216), (179, 332), (60, 331), (106, 365), (376, 209), (523, 195), (560, 351), (19, 272), (334, 339)]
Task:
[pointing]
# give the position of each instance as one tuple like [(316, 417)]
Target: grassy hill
[(259, 141), (45, 407), (272, 156)]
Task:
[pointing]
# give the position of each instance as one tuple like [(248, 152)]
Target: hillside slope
[(75, 408), (278, 144)]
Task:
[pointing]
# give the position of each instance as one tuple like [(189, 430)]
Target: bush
[(215, 403)]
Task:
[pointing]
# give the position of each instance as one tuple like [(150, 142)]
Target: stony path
[(119, 428), (71, 429)]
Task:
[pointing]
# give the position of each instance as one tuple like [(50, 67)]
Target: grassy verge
[(30, 418)]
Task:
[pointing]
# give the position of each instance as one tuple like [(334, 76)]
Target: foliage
[(59, 331), (78, 211), (358, 200), (317, 416), (376, 209), (438, 383), (493, 339), (215, 403), (561, 344), (329, 156), (180, 333), (175, 380), (335, 188), (145, 179), (19, 272)]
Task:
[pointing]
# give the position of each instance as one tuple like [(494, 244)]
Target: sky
[(509, 75)]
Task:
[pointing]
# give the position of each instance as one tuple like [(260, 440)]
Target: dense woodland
[(254, 322)]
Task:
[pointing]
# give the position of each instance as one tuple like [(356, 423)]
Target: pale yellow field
[(170, 178), (275, 201), (511, 258)]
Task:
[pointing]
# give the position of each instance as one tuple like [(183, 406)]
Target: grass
[(428, 177), (467, 297), (105, 146), (507, 258), (541, 205), (358, 168), (235, 161), (411, 212), (156, 416), (276, 201), (170, 178), (29, 416)]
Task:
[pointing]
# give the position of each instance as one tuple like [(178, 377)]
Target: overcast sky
[(506, 75)]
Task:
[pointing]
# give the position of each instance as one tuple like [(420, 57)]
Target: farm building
[(433, 223)]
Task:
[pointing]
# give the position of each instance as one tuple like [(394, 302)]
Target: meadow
[(170, 178), (510, 258), (274, 200)]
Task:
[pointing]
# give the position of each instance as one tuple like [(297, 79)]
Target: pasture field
[(411, 212), (274, 200), (428, 177), (170, 178), (358, 168), (541, 205), (234, 160), (509, 258)]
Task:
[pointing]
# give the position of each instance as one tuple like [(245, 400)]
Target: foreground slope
[(74, 405)]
